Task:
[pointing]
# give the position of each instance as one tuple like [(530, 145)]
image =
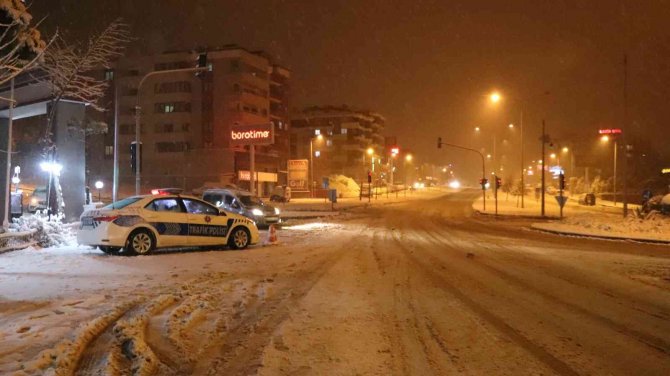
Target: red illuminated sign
[(395, 150), (261, 134), (610, 131)]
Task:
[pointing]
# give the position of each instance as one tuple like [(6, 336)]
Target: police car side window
[(165, 205), (229, 200), (197, 207)]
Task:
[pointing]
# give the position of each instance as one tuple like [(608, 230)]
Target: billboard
[(298, 177), (259, 134)]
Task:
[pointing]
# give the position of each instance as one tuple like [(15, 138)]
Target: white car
[(140, 224)]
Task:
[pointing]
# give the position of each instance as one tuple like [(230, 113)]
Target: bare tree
[(21, 45), (70, 70)]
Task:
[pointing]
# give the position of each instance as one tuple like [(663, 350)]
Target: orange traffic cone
[(272, 235)]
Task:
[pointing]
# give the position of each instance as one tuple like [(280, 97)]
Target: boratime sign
[(259, 134)]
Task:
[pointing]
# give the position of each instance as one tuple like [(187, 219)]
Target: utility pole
[(625, 123), (8, 201), (115, 178), (252, 169), (544, 141), (523, 186)]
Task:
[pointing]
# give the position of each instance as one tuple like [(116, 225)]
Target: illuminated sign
[(298, 174), (244, 175), (665, 171), (395, 150), (260, 134), (610, 131)]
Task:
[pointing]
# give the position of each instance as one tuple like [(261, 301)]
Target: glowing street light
[(408, 157), (605, 138), (98, 185), (552, 155), (370, 151), (565, 149), (510, 126), (477, 129), (495, 97)]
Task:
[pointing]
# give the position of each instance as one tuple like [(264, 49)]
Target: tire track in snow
[(652, 341), (497, 322)]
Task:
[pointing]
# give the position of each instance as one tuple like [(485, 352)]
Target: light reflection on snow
[(311, 226)]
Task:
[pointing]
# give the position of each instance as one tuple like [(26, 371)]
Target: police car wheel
[(239, 238), (140, 242), (110, 250)]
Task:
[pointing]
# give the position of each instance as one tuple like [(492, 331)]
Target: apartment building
[(346, 134), (186, 120)]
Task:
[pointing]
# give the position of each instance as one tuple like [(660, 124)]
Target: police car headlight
[(277, 211), (257, 212)]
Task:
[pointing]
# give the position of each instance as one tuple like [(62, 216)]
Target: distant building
[(186, 120), (347, 134)]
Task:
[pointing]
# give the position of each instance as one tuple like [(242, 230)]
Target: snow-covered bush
[(48, 233), (345, 186)]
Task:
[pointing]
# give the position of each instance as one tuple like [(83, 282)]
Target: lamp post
[(606, 139), (495, 97), (98, 185), (311, 161)]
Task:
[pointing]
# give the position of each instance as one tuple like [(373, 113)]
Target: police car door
[(205, 225), (169, 219)]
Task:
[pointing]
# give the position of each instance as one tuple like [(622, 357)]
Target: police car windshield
[(250, 200), (123, 203)]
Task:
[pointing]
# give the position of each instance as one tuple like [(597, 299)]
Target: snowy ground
[(603, 220), (412, 288)]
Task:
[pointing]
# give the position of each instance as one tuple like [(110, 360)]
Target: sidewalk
[(604, 220)]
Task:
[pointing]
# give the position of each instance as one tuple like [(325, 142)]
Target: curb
[(508, 216), (603, 237)]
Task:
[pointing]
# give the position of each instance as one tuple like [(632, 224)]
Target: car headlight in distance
[(33, 201), (277, 211), (257, 212)]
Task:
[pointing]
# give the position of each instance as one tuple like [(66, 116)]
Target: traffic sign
[(561, 200)]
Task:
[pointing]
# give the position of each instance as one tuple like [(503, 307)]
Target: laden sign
[(260, 134), (297, 174)]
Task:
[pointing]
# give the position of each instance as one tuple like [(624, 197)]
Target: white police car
[(140, 224)]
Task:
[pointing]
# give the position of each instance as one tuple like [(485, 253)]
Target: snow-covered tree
[(21, 45), (70, 70)]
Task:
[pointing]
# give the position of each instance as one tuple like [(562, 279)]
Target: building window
[(172, 147), (172, 65), (344, 130), (164, 128), (329, 142), (317, 132), (164, 108), (109, 150), (109, 75), (317, 153), (186, 127), (173, 87)]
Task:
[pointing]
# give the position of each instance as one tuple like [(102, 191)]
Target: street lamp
[(98, 185), (311, 160), (495, 97), (606, 139)]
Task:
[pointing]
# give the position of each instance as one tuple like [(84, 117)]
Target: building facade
[(186, 119), (346, 135)]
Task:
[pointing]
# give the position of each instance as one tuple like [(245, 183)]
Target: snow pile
[(346, 186), (653, 228), (49, 233)]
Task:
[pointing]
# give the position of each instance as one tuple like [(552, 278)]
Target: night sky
[(427, 65)]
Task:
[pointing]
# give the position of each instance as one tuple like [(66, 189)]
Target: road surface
[(416, 288)]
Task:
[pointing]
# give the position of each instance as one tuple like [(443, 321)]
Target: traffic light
[(498, 182), (561, 181), (133, 156), (369, 177), (483, 182), (439, 142)]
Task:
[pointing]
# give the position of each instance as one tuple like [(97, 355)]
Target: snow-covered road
[(413, 288)]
